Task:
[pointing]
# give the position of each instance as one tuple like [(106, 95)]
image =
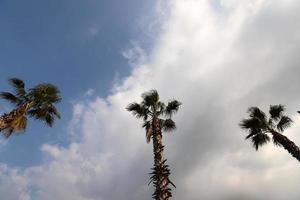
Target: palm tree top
[(151, 107), (39, 99), (259, 124)]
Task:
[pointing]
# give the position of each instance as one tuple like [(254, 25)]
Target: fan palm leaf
[(11, 98), (150, 98), (138, 110), (276, 111), (168, 125), (284, 123), (172, 107), (18, 85), (259, 140), (44, 93)]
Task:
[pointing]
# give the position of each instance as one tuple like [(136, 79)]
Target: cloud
[(135, 55), (13, 185), (218, 58)]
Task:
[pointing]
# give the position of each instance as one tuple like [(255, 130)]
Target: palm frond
[(46, 113), (42, 115), (259, 140), (53, 111), (276, 111), (37, 113), (150, 98), (10, 97), (44, 93), (172, 107), (168, 125), (49, 120), (255, 112), (18, 85), (284, 123), (252, 123), (161, 107), (271, 122), (149, 132), (138, 110)]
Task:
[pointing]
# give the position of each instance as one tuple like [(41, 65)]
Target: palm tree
[(157, 118), (260, 128), (38, 103)]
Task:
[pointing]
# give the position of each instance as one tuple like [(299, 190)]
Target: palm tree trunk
[(161, 172), (289, 145), (7, 119)]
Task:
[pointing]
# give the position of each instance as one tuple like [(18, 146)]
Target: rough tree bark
[(289, 145), (161, 171)]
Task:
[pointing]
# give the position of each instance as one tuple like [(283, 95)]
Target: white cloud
[(218, 58), (135, 55), (13, 185)]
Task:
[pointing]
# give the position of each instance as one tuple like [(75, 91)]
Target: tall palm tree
[(38, 103), (260, 128), (157, 118)]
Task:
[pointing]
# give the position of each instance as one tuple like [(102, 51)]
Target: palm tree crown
[(259, 125), (38, 103), (151, 108)]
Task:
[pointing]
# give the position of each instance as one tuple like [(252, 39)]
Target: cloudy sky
[(218, 57)]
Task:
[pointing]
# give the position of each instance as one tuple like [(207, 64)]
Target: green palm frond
[(37, 113), (168, 125), (259, 140), (150, 98), (44, 93), (18, 85), (284, 123), (53, 110), (42, 115), (172, 107), (47, 114), (49, 120), (151, 109), (276, 111), (10, 97), (44, 96)]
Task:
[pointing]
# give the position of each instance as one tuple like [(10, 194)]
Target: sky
[(218, 57)]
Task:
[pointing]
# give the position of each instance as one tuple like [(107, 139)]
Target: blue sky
[(217, 57), (74, 44)]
